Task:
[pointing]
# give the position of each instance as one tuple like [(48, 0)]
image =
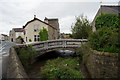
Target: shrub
[(84, 49), (105, 39), (84, 52), (108, 20), (43, 34), (61, 69), (26, 54)]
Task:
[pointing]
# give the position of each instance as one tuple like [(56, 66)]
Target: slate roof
[(18, 29), (51, 19), (4, 34), (110, 9), (38, 20)]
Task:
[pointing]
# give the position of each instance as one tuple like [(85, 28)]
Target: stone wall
[(15, 68), (103, 65)]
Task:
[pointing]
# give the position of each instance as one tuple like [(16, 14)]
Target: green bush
[(62, 69), (43, 34), (26, 54), (108, 20), (84, 49), (19, 40), (84, 52), (105, 39)]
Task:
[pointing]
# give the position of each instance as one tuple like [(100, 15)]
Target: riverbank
[(36, 70)]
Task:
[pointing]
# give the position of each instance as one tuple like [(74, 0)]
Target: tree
[(81, 28), (19, 40), (43, 34), (107, 20)]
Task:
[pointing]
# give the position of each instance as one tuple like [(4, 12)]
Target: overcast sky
[(15, 13)]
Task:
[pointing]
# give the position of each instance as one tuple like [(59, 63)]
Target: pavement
[(4, 56)]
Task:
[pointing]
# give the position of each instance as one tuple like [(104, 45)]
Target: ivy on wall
[(107, 20), (43, 34)]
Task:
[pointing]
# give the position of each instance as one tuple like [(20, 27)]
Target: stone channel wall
[(99, 64), (15, 68), (103, 65)]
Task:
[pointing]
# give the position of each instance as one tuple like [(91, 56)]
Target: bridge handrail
[(57, 40)]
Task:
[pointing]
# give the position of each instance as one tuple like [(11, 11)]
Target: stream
[(34, 70)]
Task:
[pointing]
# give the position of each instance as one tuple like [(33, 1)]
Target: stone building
[(64, 36), (4, 37), (55, 24), (32, 29), (15, 33), (107, 9)]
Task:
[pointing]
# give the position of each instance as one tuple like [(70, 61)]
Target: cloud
[(15, 13), (66, 26)]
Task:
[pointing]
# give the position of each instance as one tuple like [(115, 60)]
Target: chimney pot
[(34, 16)]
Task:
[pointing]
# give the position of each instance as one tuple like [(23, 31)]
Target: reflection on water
[(66, 53)]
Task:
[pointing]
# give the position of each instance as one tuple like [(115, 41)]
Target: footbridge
[(51, 45), (16, 69)]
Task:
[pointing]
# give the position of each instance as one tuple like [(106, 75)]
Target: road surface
[(4, 55)]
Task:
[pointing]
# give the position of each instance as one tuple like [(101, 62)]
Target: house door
[(11, 39)]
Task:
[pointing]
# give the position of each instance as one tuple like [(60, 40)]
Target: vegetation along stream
[(58, 64)]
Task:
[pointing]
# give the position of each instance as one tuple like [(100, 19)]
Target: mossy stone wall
[(103, 65)]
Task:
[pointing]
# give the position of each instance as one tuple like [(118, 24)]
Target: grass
[(62, 68)]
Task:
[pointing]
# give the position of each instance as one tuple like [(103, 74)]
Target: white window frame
[(36, 38)]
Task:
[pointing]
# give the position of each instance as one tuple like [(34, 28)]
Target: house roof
[(51, 19), (38, 20), (110, 9), (18, 29), (3, 34)]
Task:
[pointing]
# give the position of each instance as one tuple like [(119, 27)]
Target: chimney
[(46, 20), (34, 16)]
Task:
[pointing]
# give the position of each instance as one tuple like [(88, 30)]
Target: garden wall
[(103, 65)]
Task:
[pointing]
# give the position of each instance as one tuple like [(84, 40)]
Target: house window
[(22, 33), (36, 28), (17, 34), (36, 38), (26, 39)]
